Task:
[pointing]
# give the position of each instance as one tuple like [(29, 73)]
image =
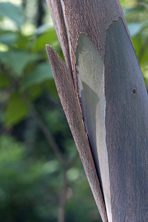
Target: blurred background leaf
[(17, 60), (38, 157), (11, 11)]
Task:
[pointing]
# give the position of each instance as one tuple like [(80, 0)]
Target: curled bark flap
[(73, 113)]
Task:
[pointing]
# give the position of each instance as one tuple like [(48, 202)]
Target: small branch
[(44, 129), (62, 205)]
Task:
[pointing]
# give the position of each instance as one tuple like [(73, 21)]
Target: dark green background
[(31, 175)]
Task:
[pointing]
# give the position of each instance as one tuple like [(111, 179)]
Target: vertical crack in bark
[(57, 14)]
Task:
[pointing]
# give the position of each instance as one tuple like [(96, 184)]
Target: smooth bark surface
[(102, 90), (126, 128)]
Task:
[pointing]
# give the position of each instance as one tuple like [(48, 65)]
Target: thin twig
[(44, 129), (62, 205)]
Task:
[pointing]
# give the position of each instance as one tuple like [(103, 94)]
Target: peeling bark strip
[(73, 113), (102, 90)]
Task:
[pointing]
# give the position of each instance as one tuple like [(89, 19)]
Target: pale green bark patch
[(90, 76)]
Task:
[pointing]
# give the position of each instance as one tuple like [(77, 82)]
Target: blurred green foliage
[(31, 176)]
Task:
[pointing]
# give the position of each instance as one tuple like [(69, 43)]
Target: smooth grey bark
[(105, 101)]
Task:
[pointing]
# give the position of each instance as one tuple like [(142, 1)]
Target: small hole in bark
[(134, 90)]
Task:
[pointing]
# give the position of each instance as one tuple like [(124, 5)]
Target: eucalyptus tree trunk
[(105, 101)]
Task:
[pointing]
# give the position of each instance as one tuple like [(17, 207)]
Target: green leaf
[(10, 150), (41, 73), (34, 92), (135, 28), (134, 9), (18, 60), (42, 29), (50, 167), (8, 38), (23, 42), (141, 45), (4, 80), (12, 12), (46, 38), (16, 110), (137, 42), (73, 174)]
